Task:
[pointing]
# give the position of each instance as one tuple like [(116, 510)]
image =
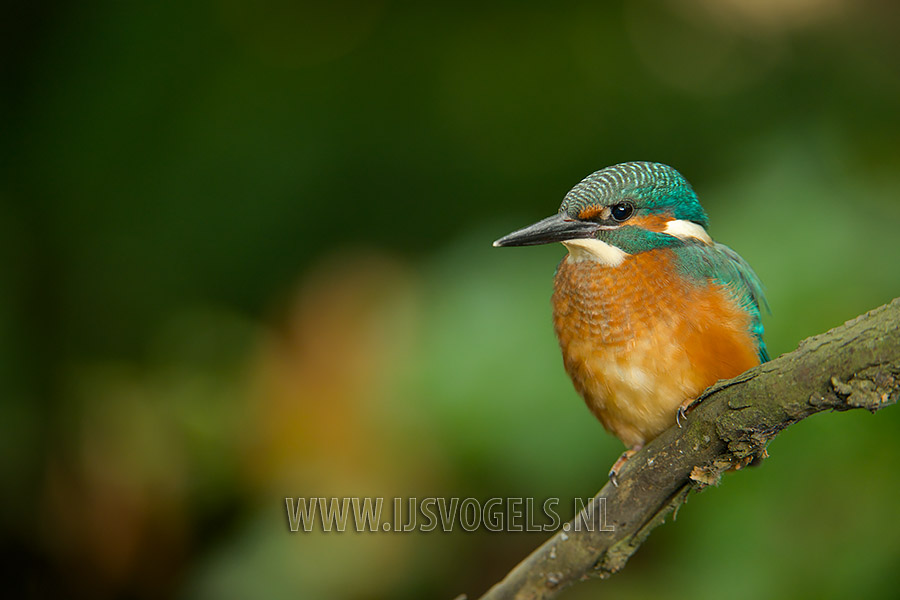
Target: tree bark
[(856, 365)]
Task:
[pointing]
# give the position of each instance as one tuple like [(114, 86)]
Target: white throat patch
[(595, 250), (687, 229)]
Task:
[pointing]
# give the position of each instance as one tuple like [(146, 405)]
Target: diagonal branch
[(856, 365)]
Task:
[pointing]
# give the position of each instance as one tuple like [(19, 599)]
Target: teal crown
[(654, 187)]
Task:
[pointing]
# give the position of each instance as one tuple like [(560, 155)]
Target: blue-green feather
[(721, 264), (653, 187)]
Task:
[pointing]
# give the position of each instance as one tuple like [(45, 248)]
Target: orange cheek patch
[(650, 222), (590, 212)]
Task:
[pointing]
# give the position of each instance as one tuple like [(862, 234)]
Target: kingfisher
[(649, 311)]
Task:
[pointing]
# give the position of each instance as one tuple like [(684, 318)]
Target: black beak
[(558, 228)]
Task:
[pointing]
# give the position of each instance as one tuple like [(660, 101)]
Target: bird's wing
[(723, 265)]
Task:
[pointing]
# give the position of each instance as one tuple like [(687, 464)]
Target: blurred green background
[(246, 255)]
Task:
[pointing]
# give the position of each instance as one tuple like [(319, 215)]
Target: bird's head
[(618, 211)]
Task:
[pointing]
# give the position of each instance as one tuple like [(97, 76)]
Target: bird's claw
[(683, 410), (614, 472)]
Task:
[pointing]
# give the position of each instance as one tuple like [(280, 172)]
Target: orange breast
[(638, 340)]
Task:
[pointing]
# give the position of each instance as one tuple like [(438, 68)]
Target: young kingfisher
[(648, 309)]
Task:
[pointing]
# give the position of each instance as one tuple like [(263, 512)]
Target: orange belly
[(638, 340)]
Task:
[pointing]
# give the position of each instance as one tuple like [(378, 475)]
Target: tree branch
[(856, 365)]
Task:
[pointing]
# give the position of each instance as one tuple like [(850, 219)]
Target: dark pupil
[(622, 211)]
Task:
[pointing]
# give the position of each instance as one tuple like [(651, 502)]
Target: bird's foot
[(617, 466), (683, 410)]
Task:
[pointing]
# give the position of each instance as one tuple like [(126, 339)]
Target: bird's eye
[(621, 211)]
